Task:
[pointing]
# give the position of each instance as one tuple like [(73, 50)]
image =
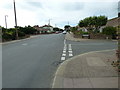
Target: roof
[(114, 22), (46, 26)]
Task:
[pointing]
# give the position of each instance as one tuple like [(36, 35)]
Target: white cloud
[(32, 12)]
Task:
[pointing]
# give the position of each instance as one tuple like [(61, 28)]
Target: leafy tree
[(56, 29), (28, 30), (93, 23), (67, 27), (74, 29)]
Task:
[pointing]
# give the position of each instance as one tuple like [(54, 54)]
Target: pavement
[(89, 70)]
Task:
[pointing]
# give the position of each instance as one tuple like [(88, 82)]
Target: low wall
[(100, 36)]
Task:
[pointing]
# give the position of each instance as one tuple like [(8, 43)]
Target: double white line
[(65, 51), (70, 50)]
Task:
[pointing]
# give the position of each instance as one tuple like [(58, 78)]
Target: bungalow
[(44, 29), (114, 22)]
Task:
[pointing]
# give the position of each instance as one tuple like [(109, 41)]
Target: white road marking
[(65, 42), (70, 54), (62, 58), (69, 45), (64, 51), (70, 51), (63, 54)]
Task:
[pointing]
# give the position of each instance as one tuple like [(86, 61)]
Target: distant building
[(44, 29), (113, 22)]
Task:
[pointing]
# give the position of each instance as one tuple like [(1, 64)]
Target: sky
[(59, 12)]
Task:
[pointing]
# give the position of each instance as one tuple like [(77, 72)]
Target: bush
[(110, 31)]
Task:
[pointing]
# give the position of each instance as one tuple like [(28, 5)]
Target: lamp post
[(6, 21), (15, 19)]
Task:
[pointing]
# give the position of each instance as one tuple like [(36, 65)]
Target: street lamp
[(15, 19), (6, 21)]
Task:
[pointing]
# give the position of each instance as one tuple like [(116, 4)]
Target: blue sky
[(38, 12)]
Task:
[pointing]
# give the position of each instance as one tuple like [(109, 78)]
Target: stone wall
[(100, 36)]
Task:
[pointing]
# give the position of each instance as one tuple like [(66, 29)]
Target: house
[(114, 22), (44, 29), (47, 28)]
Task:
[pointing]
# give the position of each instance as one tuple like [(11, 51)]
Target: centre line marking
[(70, 54), (63, 54), (70, 51), (64, 51), (62, 58)]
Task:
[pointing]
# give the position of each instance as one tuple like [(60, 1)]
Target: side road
[(89, 70), (69, 36)]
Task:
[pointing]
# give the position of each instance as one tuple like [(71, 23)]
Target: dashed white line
[(65, 42), (62, 58), (70, 51), (70, 54), (63, 54), (64, 51)]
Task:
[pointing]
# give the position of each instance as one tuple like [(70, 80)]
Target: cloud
[(33, 12)]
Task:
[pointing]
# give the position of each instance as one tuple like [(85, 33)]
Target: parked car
[(64, 32), (56, 32)]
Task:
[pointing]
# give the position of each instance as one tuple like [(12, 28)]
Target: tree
[(56, 29), (93, 23), (67, 27)]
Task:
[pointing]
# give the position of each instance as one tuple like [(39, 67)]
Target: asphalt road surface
[(32, 63)]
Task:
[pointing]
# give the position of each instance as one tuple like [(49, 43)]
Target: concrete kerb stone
[(58, 79)]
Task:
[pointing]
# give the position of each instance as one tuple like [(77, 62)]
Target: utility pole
[(15, 19), (49, 21), (6, 21), (55, 25), (68, 22)]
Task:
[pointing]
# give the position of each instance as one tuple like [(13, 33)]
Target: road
[(32, 63)]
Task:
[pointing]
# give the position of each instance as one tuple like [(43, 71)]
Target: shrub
[(110, 31)]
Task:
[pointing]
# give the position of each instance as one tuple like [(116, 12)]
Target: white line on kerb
[(62, 58)]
